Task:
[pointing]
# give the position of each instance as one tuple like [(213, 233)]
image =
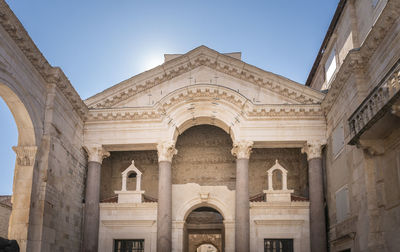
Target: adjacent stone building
[(208, 153), (5, 212)]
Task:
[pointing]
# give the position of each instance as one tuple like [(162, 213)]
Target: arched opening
[(204, 226), (204, 157), (206, 247), (9, 138), (131, 181), (23, 171), (277, 177)]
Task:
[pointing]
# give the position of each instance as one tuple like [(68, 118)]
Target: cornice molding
[(214, 95), (203, 56), (357, 59), (50, 74)]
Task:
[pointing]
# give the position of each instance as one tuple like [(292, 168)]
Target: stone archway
[(23, 174), (207, 247), (204, 225)]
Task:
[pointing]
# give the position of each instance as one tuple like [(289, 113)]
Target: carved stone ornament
[(166, 150), (25, 155), (372, 147), (96, 153), (242, 149), (313, 149)]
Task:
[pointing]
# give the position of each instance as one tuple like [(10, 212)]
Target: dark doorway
[(204, 225)]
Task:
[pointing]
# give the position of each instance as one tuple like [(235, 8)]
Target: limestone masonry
[(223, 157)]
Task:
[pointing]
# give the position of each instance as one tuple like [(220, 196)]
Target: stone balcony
[(383, 98)]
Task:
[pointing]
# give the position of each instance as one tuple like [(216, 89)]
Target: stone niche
[(112, 167), (278, 195), (130, 196)]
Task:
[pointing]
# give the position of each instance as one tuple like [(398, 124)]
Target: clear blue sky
[(100, 43)]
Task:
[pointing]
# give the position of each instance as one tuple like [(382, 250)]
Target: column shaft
[(164, 211), (92, 211), (242, 213), (317, 212)]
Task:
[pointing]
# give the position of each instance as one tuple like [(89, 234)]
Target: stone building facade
[(208, 152), (5, 212)]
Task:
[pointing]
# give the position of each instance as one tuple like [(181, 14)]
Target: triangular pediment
[(204, 66)]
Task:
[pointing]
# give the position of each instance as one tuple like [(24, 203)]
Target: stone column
[(242, 150), (316, 194), (21, 198), (96, 155), (166, 150)]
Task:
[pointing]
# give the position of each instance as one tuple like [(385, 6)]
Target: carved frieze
[(25, 155), (211, 59), (51, 74), (211, 94)]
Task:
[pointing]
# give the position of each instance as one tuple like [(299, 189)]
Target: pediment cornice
[(208, 95), (203, 56)]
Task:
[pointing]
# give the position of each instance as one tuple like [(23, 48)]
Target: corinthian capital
[(166, 150), (96, 153), (242, 149), (313, 149), (25, 155)]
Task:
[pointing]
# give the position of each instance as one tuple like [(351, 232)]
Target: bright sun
[(152, 60)]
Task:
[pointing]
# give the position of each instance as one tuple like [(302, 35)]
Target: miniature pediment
[(203, 66), (125, 196), (283, 194), (130, 169)]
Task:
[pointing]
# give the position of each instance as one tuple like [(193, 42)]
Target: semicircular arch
[(194, 203), (25, 126), (203, 104)]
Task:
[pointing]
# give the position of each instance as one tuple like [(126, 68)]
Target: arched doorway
[(204, 225), (23, 173), (206, 247)]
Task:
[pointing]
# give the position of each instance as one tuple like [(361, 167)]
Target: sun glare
[(152, 60)]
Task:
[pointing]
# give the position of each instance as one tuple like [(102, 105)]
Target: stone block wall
[(204, 157), (112, 167), (5, 212), (372, 178), (65, 183)]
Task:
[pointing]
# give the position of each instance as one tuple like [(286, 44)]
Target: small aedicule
[(136, 196), (273, 195)]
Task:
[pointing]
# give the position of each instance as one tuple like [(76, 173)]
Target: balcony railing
[(376, 103)]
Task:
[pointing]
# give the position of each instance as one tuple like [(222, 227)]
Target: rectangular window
[(278, 245), (337, 140), (330, 66), (136, 245), (342, 204)]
